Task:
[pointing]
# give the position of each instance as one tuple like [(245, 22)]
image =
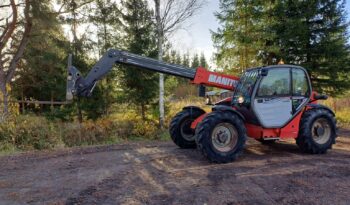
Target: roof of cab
[(275, 66)]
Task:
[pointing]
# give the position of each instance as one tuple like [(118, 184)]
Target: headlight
[(208, 101), (240, 99)]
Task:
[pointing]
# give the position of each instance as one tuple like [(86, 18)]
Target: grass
[(343, 117), (30, 132), (341, 107)]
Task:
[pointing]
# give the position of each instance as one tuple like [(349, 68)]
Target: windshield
[(245, 86)]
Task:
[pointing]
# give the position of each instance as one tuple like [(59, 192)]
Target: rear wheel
[(221, 136), (317, 131), (180, 128)]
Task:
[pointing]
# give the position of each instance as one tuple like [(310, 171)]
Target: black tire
[(266, 142), (205, 133), (308, 138), (181, 124)]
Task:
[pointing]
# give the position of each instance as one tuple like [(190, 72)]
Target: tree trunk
[(143, 111), (6, 75), (80, 113), (5, 110), (22, 104), (160, 58), (6, 106)]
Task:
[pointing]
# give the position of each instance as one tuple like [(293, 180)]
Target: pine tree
[(105, 16), (307, 33), (203, 61), (43, 76), (313, 35), (195, 61), (241, 37), (186, 60), (80, 47), (173, 56), (178, 59), (140, 86)]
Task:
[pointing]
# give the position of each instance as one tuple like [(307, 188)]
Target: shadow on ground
[(160, 173)]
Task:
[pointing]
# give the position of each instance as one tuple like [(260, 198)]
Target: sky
[(196, 36)]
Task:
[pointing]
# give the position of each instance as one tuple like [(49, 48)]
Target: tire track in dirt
[(160, 173)]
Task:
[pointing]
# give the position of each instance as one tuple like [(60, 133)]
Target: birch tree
[(170, 16)]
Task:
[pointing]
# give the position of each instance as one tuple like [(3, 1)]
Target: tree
[(14, 35), (43, 75), (105, 15), (170, 15), (195, 61), (73, 14), (307, 33), (139, 86), (245, 35), (186, 59), (314, 35), (178, 59), (203, 61)]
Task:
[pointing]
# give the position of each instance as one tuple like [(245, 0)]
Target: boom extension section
[(80, 86)]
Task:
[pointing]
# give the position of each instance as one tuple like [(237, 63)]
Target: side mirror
[(264, 72), (320, 97), (201, 91)]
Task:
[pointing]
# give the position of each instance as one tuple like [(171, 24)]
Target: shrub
[(30, 132)]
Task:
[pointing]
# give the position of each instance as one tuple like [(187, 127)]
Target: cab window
[(300, 83), (276, 83), (245, 86)]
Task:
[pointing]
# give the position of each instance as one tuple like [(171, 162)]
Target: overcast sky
[(196, 36)]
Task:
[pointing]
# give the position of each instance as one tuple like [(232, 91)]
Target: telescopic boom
[(80, 86)]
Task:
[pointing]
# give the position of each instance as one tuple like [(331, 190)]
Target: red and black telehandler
[(269, 103)]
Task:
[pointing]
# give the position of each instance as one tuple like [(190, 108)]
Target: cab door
[(300, 89), (273, 99)]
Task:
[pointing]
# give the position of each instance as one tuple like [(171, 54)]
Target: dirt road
[(160, 173)]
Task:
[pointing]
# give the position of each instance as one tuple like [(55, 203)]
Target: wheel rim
[(186, 131), (321, 131), (224, 137)]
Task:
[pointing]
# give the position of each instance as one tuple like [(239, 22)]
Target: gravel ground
[(161, 173)]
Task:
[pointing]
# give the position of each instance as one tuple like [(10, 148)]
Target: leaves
[(307, 33)]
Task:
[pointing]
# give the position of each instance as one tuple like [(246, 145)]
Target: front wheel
[(317, 131), (221, 136)]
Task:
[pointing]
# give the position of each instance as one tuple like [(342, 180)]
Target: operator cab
[(271, 96)]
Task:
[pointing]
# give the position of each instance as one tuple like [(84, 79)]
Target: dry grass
[(29, 132), (341, 107)]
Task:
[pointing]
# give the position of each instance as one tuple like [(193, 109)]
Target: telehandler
[(269, 103)]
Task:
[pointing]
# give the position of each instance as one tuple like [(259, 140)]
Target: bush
[(30, 132), (341, 107), (343, 117)]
